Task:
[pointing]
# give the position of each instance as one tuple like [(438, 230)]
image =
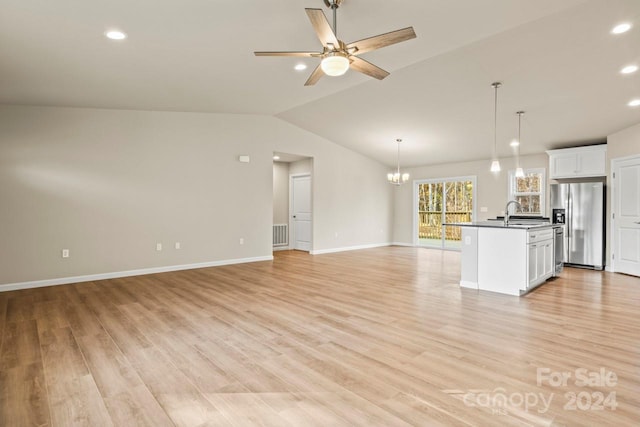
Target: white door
[(301, 212), (626, 210)]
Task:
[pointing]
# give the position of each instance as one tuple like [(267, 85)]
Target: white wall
[(110, 184), (624, 143), (301, 167), (491, 189), (280, 193)]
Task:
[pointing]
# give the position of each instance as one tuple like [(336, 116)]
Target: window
[(528, 191)]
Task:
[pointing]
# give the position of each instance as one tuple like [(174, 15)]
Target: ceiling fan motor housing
[(333, 3)]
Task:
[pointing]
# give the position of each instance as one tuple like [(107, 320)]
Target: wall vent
[(280, 235)]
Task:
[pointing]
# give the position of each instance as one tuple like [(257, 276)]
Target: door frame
[(292, 235), (417, 182), (613, 200)]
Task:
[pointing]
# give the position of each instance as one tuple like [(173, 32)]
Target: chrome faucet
[(506, 211)]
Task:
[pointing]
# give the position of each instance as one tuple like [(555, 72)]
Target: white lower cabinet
[(539, 257)]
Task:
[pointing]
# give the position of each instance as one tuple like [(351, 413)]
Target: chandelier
[(396, 178)]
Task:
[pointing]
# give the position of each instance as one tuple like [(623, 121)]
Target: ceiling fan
[(337, 56)]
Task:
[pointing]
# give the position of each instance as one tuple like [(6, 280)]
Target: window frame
[(543, 190)]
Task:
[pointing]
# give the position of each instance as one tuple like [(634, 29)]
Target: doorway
[(439, 201), (292, 202), (625, 208)]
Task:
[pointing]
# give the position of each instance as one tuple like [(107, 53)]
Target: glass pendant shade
[(335, 64), (495, 166), (519, 173)]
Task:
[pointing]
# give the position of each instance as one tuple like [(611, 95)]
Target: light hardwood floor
[(378, 337)]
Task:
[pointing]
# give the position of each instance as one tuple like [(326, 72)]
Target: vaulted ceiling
[(557, 60)]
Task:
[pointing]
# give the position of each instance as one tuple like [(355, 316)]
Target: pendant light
[(396, 178), (519, 170), (495, 164)]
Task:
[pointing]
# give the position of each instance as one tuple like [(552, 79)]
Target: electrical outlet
[(336, 235), (242, 240), (484, 209), (158, 247), (65, 253), (177, 245)]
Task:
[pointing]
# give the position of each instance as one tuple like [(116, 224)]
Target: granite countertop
[(500, 224)]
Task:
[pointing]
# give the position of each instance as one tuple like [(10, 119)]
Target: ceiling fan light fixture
[(335, 64)]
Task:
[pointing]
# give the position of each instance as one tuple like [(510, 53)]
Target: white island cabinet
[(510, 260)]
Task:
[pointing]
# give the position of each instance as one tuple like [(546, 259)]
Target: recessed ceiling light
[(300, 67), (621, 28), (515, 143), (115, 35), (276, 157), (629, 69), (634, 103)]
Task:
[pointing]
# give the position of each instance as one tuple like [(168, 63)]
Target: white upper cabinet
[(579, 162)]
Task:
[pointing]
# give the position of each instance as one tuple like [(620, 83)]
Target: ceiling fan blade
[(382, 40), (314, 77), (304, 54), (367, 68), (322, 27)]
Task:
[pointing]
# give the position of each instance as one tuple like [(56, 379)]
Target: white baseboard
[(609, 269), (281, 248), (467, 284), (118, 274), (348, 248), (410, 245)]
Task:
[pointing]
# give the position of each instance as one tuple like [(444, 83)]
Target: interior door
[(301, 212), (626, 205)]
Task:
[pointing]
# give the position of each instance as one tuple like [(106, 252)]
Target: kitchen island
[(511, 259)]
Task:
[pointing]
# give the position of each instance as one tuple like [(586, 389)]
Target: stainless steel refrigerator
[(580, 207)]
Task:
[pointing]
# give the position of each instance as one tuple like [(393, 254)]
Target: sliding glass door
[(438, 201)]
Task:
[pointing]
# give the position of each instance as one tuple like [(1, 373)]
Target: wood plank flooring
[(379, 337)]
